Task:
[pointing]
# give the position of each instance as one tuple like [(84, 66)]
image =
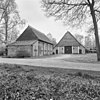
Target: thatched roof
[(68, 40), (22, 43), (31, 33)]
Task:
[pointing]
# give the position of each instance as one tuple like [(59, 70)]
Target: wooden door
[(68, 49)]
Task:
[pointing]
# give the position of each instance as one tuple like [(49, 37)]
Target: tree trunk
[(6, 31), (95, 33), (6, 37)]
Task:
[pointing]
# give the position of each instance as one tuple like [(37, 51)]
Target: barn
[(32, 41), (69, 45)]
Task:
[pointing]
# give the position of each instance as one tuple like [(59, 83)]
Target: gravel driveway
[(53, 61)]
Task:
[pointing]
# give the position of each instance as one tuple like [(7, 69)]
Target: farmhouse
[(32, 41), (69, 45)]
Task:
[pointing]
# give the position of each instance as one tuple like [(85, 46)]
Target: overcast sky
[(31, 11)]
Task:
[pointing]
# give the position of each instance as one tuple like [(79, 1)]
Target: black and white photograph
[(49, 49)]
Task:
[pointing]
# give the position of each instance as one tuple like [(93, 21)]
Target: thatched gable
[(68, 40)]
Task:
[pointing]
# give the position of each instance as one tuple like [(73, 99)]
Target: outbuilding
[(32, 41), (69, 45)]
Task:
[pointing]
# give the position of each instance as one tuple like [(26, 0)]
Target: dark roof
[(68, 40), (21, 43), (31, 33)]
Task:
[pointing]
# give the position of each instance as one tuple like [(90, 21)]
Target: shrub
[(78, 74), (22, 54), (87, 76), (2, 51)]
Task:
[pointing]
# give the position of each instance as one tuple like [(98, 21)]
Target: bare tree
[(75, 12), (9, 17), (49, 35), (79, 37), (13, 35)]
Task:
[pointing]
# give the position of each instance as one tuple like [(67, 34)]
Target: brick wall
[(12, 50)]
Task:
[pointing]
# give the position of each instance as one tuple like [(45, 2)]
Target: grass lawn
[(43, 70), (87, 58), (21, 82)]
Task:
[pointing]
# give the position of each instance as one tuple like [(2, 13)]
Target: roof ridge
[(39, 33), (76, 39), (35, 29), (72, 36), (32, 30), (61, 39), (31, 33)]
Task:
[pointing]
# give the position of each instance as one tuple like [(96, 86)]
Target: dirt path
[(52, 62)]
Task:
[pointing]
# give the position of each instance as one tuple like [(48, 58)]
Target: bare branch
[(93, 2), (75, 12), (9, 18), (71, 4), (97, 11)]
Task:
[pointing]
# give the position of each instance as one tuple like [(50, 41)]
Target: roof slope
[(31, 33), (21, 43), (68, 40)]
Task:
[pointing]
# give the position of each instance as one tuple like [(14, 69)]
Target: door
[(80, 51), (56, 51), (68, 49)]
